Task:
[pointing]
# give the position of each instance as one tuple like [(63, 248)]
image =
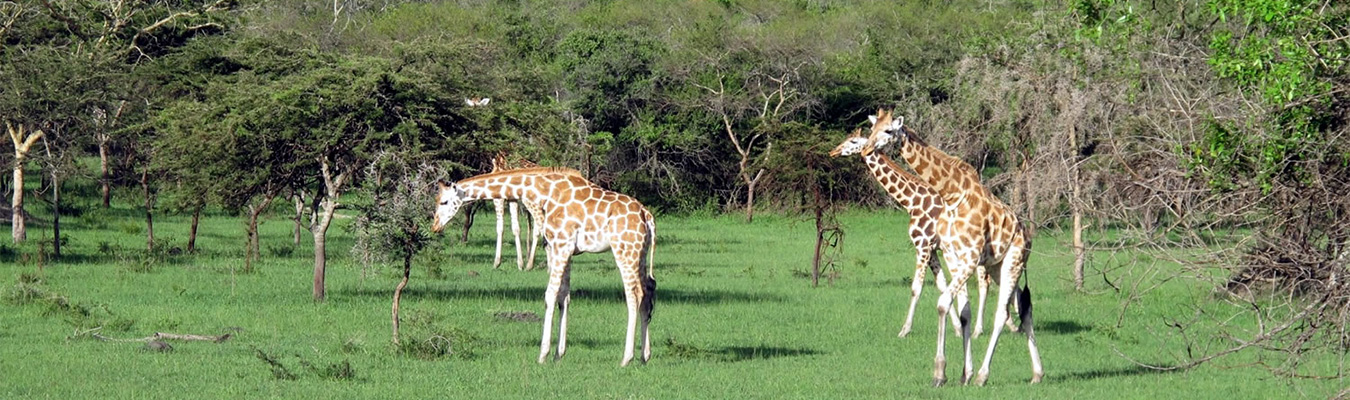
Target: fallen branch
[(93, 333)]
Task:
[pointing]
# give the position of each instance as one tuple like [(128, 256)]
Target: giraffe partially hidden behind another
[(501, 162), (925, 207), (577, 217), (978, 230)]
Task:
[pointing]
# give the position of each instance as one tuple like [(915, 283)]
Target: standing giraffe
[(501, 163), (577, 217), (978, 230), (925, 208)]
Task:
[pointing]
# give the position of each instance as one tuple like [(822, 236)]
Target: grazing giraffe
[(925, 207), (577, 217), (501, 163), (978, 230)]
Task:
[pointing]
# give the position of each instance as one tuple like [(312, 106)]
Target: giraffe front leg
[(497, 206), (940, 360), (916, 288), (983, 280)]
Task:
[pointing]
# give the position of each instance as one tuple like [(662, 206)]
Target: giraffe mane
[(527, 171)]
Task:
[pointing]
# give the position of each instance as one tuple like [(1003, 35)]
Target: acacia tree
[(391, 226)]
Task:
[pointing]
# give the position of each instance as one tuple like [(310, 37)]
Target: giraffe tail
[(1024, 295), (649, 284)]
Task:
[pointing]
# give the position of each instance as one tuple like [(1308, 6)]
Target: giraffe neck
[(951, 176), (500, 187), (887, 173)]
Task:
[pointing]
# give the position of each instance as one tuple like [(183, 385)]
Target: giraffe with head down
[(576, 217)]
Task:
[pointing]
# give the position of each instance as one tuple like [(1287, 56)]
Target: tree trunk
[(750, 202), (104, 172), (192, 231), (252, 253), (56, 215), (299, 215), (820, 239), (17, 226), (1079, 253), (469, 210), (332, 189), (398, 292), (22, 142), (149, 212)]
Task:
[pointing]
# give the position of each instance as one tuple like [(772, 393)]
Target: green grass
[(735, 318)]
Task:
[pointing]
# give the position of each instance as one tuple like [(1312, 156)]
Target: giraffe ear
[(484, 101), (873, 118)]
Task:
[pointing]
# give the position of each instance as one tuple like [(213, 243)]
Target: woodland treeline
[(1169, 124)]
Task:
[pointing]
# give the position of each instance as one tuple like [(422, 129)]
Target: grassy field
[(735, 318)]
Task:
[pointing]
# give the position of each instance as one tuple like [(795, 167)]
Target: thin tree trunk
[(192, 231), (104, 171), (398, 292), (820, 239), (469, 211), (299, 215), (149, 212), (1079, 253), (56, 215), (252, 253)]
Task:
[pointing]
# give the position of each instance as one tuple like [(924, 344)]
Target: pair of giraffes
[(949, 208)]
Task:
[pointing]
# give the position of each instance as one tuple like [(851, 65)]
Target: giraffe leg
[(497, 206), (1007, 280), (983, 280), (515, 232), (627, 256), (940, 360), (963, 306), (923, 259), (535, 233), (565, 293), (558, 258)]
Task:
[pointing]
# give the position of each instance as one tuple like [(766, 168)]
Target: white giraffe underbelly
[(591, 242)]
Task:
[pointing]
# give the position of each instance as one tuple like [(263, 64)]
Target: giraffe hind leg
[(497, 206)]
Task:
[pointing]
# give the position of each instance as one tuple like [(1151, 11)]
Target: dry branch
[(94, 333)]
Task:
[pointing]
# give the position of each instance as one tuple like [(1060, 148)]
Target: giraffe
[(925, 208), (978, 230), (577, 217), (500, 162)]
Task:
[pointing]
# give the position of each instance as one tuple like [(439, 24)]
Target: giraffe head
[(851, 145), (449, 197), (477, 102), (885, 130)]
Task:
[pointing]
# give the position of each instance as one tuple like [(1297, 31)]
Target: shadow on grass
[(611, 295), (746, 353), (1131, 370), (1061, 327)]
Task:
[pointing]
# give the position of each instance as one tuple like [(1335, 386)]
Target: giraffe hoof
[(938, 382), (904, 332), (980, 379), (1036, 378)]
